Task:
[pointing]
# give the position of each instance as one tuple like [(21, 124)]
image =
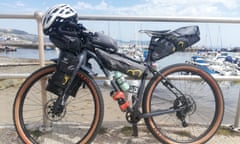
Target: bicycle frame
[(87, 54)]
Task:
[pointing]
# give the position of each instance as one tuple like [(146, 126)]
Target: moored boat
[(219, 63), (7, 49)]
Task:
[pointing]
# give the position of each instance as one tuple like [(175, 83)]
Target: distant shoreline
[(27, 46)]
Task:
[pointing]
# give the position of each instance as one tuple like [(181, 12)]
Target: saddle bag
[(161, 48), (58, 82), (119, 62), (185, 37), (173, 41)]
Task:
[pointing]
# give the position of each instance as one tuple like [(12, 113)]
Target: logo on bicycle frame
[(135, 72)]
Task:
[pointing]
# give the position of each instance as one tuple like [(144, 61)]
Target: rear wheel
[(198, 107), (78, 122)]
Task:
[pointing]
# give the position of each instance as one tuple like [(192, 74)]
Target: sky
[(214, 35)]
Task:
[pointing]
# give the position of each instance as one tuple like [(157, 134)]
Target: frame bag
[(118, 62)]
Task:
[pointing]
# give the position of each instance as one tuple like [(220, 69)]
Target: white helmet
[(56, 15)]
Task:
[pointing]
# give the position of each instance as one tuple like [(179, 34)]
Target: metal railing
[(161, 19), (38, 17)]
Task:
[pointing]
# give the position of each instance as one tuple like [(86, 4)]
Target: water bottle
[(119, 96), (134, 86), (121, 81), (133, 90)]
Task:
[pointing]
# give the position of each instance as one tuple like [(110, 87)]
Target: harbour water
[(50, 54), (29, 53), (178, 57)]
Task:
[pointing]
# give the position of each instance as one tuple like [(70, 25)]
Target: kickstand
[(135, 129)]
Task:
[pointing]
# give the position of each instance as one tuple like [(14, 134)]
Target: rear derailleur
[(186, 106)]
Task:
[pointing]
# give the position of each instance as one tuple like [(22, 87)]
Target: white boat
[(200, 62), (219, 63)]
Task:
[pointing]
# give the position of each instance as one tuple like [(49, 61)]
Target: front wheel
[(190, 102), (36, 122)]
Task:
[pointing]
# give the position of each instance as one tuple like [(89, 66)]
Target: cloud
[(7, 6), (83, 5), (101, 6), (20, 4), (230, 4), (167, 8)]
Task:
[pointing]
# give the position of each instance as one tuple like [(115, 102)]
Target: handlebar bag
[(66, 43), (104, 42)]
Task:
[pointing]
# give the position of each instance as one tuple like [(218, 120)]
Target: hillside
[(20, 36), (15, 36)]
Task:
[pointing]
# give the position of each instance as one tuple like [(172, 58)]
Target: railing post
[(38, 16), (236, 122)]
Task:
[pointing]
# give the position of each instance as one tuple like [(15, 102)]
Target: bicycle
[(62, 102)]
